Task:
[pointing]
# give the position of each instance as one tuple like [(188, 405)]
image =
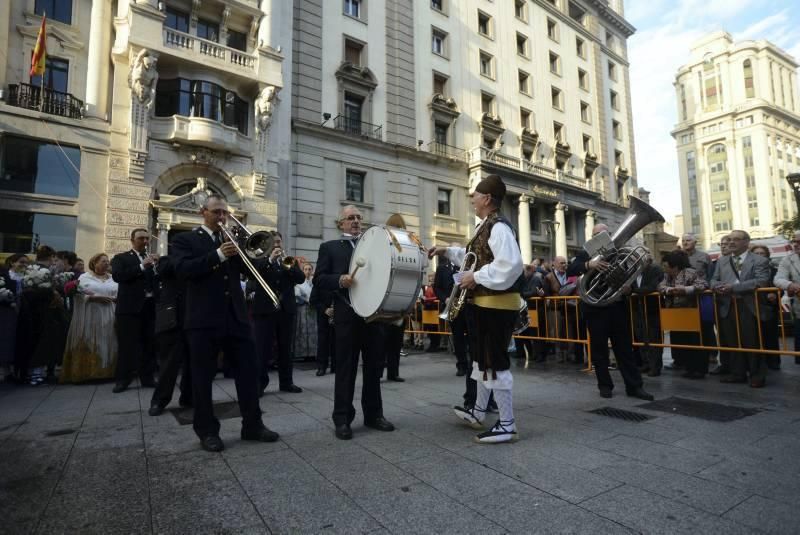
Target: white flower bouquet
[(37, 277), (7, 297)]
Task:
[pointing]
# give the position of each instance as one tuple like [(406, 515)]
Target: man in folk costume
[(493, 289)]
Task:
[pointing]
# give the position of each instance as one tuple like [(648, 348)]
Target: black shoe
[(260, 434), (212, 443), (605, 393), (293, 388), (397, 379), (344, 432), (156, 410), (380, 423), (148, 382), (121, 387), (461, 372), (719, 370), (320, 372), (640, 393)]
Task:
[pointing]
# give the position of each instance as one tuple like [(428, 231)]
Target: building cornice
[(611, 16), (733, 113)]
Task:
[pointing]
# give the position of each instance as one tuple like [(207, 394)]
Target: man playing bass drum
[(493, 286)]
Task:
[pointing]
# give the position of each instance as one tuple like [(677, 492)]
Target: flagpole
[(41, 90)]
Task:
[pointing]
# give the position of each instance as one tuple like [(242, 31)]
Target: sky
[(665, 31)]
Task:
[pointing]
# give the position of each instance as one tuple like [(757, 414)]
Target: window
[(352, 8), (60, 10), (489, 142), (484, 24), (353, 105), (717, 167), (618, 159), (555, 63), (522, 45), (443, 202), (524, 118), (749, 89), (237, 40), (208, 30), (524, 82), (32, 166), (558, 131), (610, 42), (56, 75), (614, 99), (586, 114), (722, 225), (438, 5), (754, 222), (552, 30), (612, 70), (556, 98), (20, 230), (617, 129), (683, 102), (439, 39), (440, 132), (487, 65), (352, 51), (580, 47), (176, 19), (751, 181), (587, 143), (576, 13), (521, 10), (747, 142), (439, 84), (583, 79), (719, 186), (721, 206), (354, 186), (748, 161), (487, 103), (752, 201), (198, 98)]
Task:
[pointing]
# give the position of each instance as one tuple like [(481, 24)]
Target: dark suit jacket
[(212, 287), (333, 261), (754, 273), (170, 292), (443, 281), (651, 276), (281, 280), (133, 282)]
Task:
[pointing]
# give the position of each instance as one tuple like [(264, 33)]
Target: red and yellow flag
[(39, 57)]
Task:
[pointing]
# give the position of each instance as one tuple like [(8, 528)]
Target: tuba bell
[(603, 287)]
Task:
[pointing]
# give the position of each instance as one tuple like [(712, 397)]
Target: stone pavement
[(79, 459)]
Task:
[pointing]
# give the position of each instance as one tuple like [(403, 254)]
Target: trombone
[(256, 245)]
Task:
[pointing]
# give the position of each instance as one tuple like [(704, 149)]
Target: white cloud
[(758, 29)]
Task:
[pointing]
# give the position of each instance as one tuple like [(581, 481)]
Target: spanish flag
[(39, 57)]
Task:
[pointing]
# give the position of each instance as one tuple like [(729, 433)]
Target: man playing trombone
[(216, 320)]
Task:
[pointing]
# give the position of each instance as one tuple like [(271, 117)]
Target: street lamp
[(794, 180)]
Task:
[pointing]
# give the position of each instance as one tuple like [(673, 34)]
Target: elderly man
[(699, 260), (701, 263), (788, 279), (735, 281)]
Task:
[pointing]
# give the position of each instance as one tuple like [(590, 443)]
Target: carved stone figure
[(144, 77), (264, 106)]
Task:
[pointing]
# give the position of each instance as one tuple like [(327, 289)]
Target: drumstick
[(360, 262)]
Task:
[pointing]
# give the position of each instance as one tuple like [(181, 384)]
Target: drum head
[(371, 280)]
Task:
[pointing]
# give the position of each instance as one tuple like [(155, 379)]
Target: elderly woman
[(11, 290), (768, 311), (305, 325), (91, 351), (680, 287)]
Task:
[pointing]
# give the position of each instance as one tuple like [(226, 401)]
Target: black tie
[(217, 240)]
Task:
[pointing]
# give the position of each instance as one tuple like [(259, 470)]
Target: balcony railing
[(569, 178), (541, 170), (204, 47), (48, 101), (441, 149), (357, 128)]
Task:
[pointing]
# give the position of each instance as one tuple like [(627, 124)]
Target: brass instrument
[(287, 261), (458, 296), (603, 287), (256, 245)]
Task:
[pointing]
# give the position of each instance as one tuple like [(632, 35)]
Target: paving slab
[(766, 515)]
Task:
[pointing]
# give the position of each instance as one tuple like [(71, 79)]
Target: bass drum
[(388, 283)]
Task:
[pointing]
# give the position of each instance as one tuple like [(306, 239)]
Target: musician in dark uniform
[(609, 322), (272, 324), (135, 311), (216, 320), (322, 301), (494, 288), (443, 286), (354, 336)]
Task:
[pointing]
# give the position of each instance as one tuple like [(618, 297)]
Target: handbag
[(706, 308)]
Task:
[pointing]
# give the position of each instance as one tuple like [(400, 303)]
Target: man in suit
[(443, 286), (788, 279), (135, 311), (609, 322), (216, 320), (354, 336), (735, 281), (646, 318), (322, 301), (276, 325)]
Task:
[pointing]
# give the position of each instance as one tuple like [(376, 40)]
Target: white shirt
[(222, 257), (506, 267)]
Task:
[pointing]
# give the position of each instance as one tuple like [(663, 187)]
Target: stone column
[(99, 65), (589, 223), (163, 239), (524, 225), (561, 230)]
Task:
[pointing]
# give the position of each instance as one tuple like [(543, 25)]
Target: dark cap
[(492, 185)]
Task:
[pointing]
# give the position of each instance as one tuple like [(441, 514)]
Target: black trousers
[(326, 340), (695, 360), (353, 338), (268, 330), (458, 330), (612, 323), (741, 363), (204, 347), (135, 337), (172, 352), (392, 343)]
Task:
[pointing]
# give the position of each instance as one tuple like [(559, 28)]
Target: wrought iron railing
[(48, 100), (355, 127), (441, 149)]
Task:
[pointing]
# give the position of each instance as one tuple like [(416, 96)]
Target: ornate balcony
[(355, 127), (201, 131), (440, 149), (209, 49), (32, 97)]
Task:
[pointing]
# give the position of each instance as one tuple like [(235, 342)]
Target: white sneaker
[(470, 416), (501, 432)]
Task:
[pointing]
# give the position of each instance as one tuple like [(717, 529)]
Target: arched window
[(710, 87), (749, 90)]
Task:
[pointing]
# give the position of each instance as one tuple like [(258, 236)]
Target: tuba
[(458, 296), (603, 287)]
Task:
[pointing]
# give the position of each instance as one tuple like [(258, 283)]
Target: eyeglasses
[(353, 217)]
